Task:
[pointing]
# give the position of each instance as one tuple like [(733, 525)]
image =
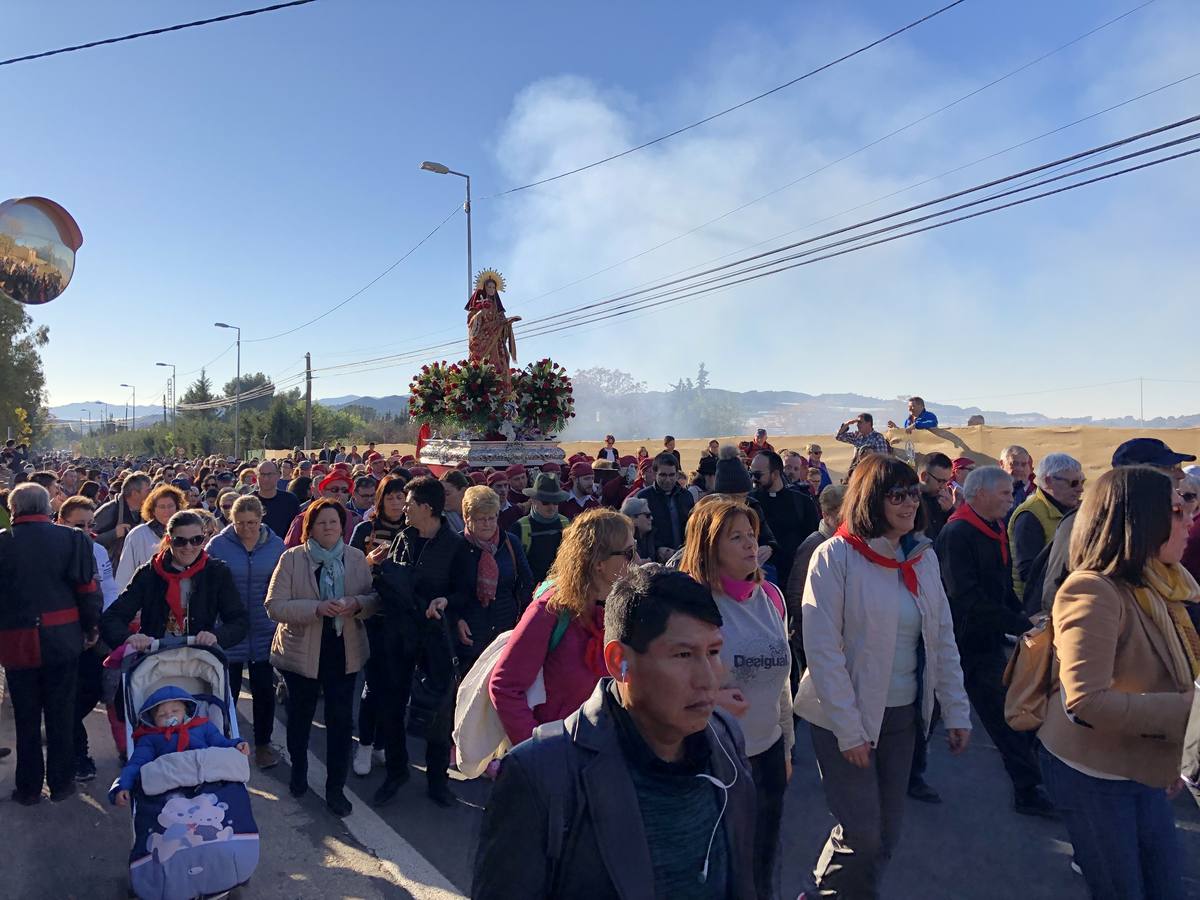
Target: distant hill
[(393, 403)]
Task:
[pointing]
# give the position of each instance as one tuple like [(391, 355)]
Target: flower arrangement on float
[(544, 397), (428, 396), (475, 397)]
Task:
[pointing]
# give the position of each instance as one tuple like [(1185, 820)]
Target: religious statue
[(490, 335)]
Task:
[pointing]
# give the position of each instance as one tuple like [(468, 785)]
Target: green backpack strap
[(526, 533), (560, 628)]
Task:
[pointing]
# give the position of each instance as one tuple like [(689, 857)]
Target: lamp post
[(133, 418), (237, 394), (439, 169), (174, 401)]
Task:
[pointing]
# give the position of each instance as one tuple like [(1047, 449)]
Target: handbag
[(1029, 677)]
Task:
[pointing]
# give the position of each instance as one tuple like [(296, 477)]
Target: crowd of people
[(658, 636)]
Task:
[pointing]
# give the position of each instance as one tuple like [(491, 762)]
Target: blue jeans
[(1123, 833)]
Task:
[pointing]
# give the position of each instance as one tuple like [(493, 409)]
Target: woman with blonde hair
[(721, 553), (1128, 655), (502, 578), (145, 540), (561, 633)]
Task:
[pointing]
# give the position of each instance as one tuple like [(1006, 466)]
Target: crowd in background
[(680, 623)]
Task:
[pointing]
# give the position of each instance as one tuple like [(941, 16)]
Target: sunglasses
[(336, 490), (629, 553), (1070, 482), (181, 542), (1188, 496), (898, 495)]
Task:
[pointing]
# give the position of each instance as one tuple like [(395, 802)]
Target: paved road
[(971, 846)]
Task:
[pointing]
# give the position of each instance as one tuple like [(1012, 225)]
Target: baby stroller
[(193, 831)]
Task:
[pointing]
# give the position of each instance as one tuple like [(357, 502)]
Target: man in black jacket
[(791, 515), (977, 572), (645, 790), (670, 506), (427, 567), (118, 516), (49, 609), (935, 493)]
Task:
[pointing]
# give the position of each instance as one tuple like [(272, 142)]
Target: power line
[(362, 289), (868, 146), (547, 326), (141, 34), (736, 106)]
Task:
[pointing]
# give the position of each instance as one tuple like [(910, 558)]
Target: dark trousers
[(47, 692), (921, 747), (375, 681), (1123, 833), (262, 690), (88, 681), (338, 688), (868, 805), (982, 674), (406, 650), (770, 782)]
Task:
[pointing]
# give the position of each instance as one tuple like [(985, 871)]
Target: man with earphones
[(644, 791)]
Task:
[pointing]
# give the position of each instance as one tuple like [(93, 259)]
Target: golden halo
[(484, 275)]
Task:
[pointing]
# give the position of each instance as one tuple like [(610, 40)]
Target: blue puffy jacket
[(252, 572)]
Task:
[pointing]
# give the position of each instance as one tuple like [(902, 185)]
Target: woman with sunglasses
[(879, 642), (721, 553), (144, 540), (561, 633), (1128, 655), (181, 592)]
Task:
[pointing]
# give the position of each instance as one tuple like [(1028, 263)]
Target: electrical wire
[(154, 31), (362, 289), (736, 106), (864, 148)]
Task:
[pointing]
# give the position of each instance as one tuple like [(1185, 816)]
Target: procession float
[(482, 410)]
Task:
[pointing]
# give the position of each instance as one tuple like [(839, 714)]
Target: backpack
[(1030, 675), (525, 524), (479, 736)]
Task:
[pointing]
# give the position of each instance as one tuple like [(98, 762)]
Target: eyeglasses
[(629, 553), (1069, 482), (940, 481), (181, 542), (898, 495)]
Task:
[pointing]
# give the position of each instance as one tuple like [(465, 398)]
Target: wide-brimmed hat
[(546, 489)]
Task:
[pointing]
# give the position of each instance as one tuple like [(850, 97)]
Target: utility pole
[(307, 402), (164, 409)]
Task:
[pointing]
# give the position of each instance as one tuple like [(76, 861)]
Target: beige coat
[(1115, 674), (292, 599), (851, 614)]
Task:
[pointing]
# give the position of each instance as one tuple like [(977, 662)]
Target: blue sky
[(260, 171)]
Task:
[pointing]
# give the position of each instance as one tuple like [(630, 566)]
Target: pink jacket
[(569, 677)]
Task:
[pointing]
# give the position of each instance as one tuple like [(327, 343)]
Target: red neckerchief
[(174, 594), (967, 514), (170, 731), (908, 568), (21, 520)]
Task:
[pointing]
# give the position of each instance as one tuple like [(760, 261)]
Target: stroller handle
[(169, 643)]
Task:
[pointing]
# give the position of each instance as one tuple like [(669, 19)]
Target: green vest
[(1046, 513)]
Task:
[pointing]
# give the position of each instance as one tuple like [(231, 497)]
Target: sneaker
[(265, 757), (919, 790), (362, 759), (85, 769), (1034, 802)]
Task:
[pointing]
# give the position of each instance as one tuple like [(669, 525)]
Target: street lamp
[(133, 420), (439, 169), (174, 400), (237, 395)]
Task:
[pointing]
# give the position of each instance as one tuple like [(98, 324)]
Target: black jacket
[(660, 511), (792, 517), (214, 599), (513, 592), (416, 572), (113, 513), (979, 587), (576, 774), (47, 569)]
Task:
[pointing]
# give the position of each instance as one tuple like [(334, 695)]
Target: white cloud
[(1061, 291)]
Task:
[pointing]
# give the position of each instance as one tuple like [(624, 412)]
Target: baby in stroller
[(168, 724)]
